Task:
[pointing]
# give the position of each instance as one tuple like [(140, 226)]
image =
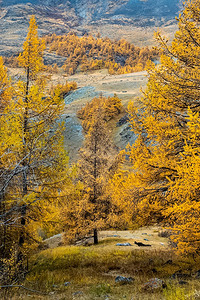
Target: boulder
[(154, 284)]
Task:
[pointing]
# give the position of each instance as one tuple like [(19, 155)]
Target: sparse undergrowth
[(78, 272)]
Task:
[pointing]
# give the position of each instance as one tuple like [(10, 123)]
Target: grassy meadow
[(89, 272)]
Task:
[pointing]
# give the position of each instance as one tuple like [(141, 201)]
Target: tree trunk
[(3, 225), (20, 257), (95, 237)]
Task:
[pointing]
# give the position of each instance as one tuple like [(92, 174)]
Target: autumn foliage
[(110, 107), (92, 208), (159, 180), (164, 183), (32, 162), (90, 53)]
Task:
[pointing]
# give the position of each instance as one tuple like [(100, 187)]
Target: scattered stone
[(162, 244), (154, 284), (54, 285), (123, 120), (123, 244), (146, 240), (144, 233), (123, 280), (114, 235), (78, 293), (67, 283)]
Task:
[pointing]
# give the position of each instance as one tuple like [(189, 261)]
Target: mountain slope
[(113, 18), (93, 9)]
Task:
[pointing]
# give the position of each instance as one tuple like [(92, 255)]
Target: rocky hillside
[(112, 18), (128, 9), (96, 9)]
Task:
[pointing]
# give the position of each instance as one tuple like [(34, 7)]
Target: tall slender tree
[(43, 154), (98, 159), (37, 160)]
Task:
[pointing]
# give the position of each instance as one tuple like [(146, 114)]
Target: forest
[(151, 188), (94, 53)]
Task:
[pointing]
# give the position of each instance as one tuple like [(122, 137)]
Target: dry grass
[(91, 272), (139, 36)]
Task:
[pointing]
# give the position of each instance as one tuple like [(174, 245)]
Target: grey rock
[(67, 283), (123, 244), (114, 235), (123, 120), (154, 284), (124, 280)]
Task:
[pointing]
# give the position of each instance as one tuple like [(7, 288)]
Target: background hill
[(134, 20), (98, 9)]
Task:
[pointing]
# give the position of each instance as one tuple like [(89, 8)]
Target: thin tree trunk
[(3, 221), (96, 241), (95, 171), (24, 177), (95, 188)]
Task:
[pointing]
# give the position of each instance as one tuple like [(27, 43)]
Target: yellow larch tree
[(165, 156), (10, 145), (38, 164), (44, 159), (91, 209)]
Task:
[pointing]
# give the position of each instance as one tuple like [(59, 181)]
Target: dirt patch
[(146, 235)]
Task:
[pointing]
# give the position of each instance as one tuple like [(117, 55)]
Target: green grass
[(91, 272)]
